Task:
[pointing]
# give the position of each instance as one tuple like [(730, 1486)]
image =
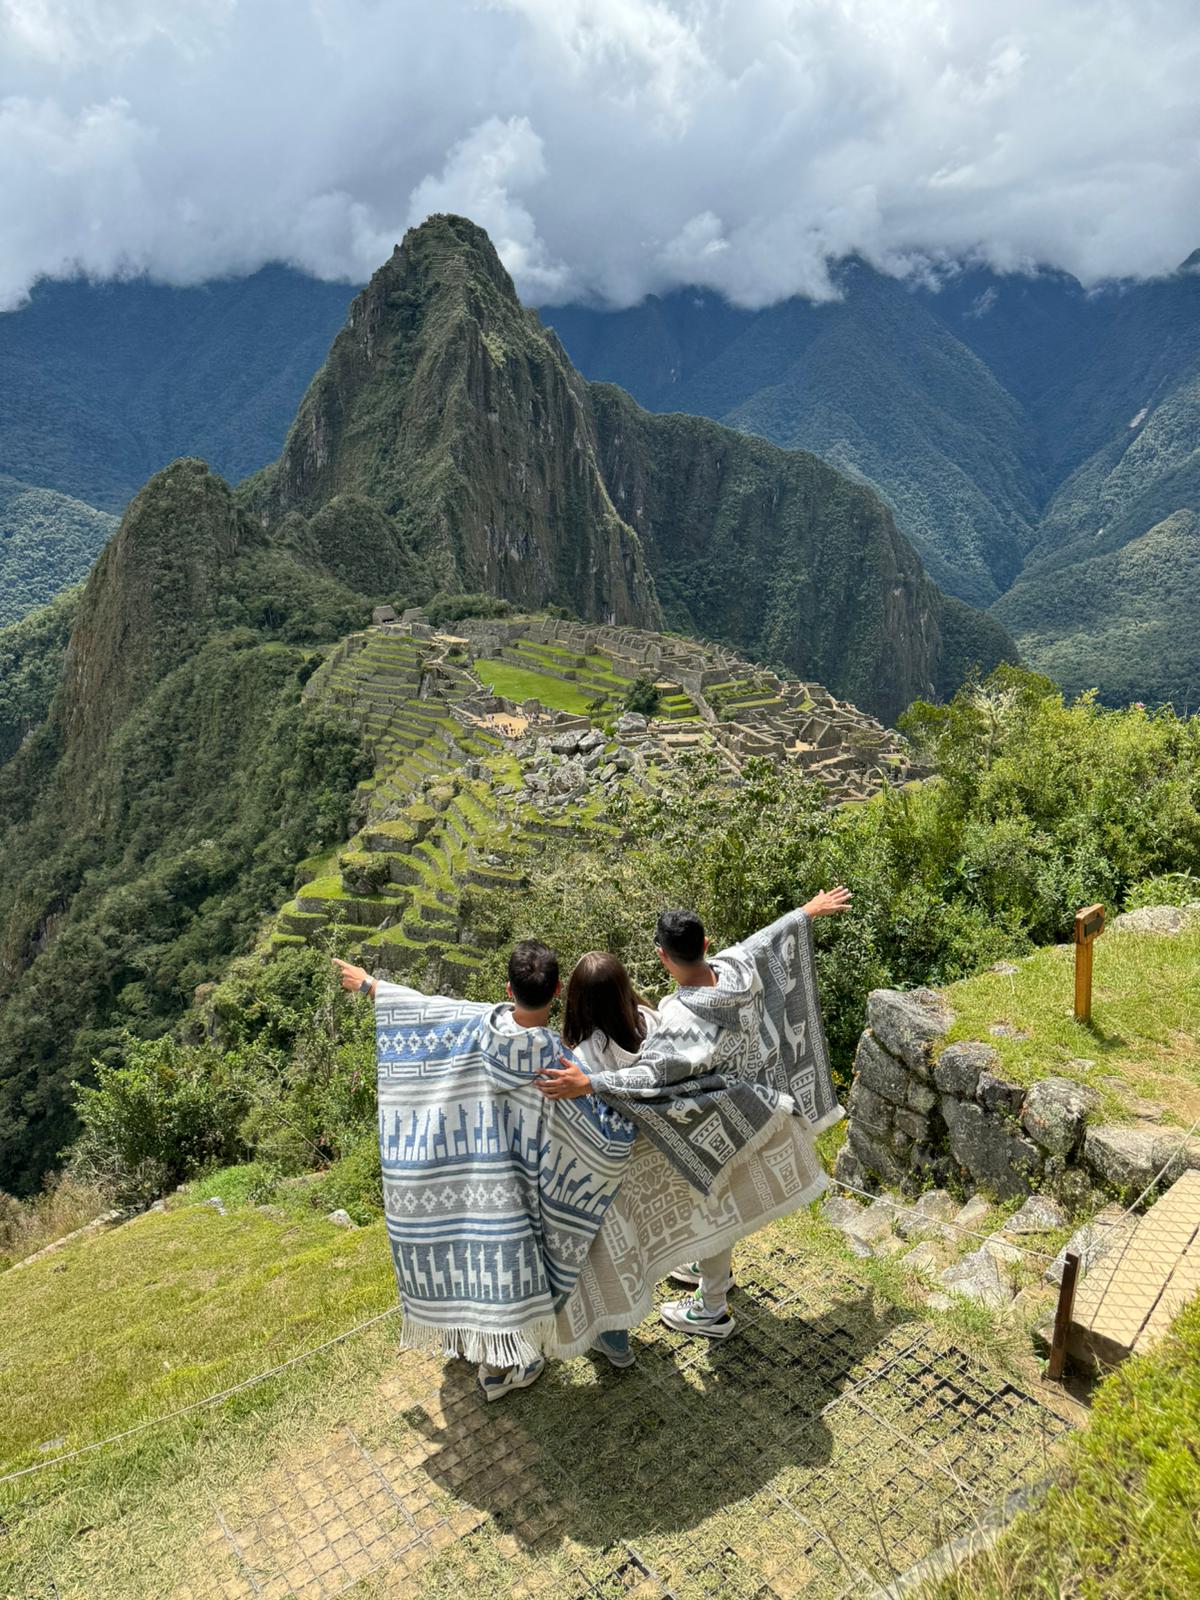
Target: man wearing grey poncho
[(739, 1052)]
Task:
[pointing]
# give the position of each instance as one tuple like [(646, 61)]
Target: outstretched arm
[(356, 979)]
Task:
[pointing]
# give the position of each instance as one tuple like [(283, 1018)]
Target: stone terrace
[(471, 785)]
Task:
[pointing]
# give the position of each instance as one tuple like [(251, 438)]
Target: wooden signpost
[(1089, 924)]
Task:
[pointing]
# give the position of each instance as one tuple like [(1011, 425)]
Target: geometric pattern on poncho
[(725, 1058), (492, 1193)]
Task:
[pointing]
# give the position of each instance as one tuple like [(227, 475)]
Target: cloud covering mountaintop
[(610, 147)]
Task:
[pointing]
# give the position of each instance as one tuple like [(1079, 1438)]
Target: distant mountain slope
[(1018, 426), (875, 384), (102, 384), (1002, 417), (47, 541), (778, 553), (1125, 617)]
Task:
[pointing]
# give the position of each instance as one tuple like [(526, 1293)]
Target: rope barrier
[(199, 1405)]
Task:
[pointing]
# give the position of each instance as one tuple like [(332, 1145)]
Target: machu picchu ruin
[(498, 737)]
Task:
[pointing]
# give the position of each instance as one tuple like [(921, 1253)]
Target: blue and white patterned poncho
[(492, 1193)]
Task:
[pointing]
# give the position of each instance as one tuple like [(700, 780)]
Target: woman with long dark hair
[(604, 1015), (606, 1022)]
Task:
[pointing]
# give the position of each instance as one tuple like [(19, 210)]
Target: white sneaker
[(689, 1276), (689, 1316), (495, 1385)]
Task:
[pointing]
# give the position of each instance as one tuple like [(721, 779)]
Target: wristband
[(365, 986)]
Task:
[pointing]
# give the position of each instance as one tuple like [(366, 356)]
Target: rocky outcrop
[(921, 1112), (151, 598), (446, 406)]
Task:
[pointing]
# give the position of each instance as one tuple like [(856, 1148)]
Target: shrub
[(167, 1112), (354, 1184), (643, 696), (1164, 889)]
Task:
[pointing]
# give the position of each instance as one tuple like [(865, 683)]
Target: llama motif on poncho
[(724, 1059), (492, 1193)]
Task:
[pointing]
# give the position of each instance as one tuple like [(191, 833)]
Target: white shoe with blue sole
[(495, 1385)]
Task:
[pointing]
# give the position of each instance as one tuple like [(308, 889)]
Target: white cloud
[(612, 147)]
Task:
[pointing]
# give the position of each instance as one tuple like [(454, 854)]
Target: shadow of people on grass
[(597, 1454)]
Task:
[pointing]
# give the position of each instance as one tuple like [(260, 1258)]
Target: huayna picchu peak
[(446, 404)]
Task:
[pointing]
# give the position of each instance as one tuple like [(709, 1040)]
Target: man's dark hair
[(533, 973), (681, 935)]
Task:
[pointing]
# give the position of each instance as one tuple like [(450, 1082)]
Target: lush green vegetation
[(644, 697), (1122, 1521), (210, 795), (157, 812), (1039, 807), (31, 662), (47, 541), (1123, 618)]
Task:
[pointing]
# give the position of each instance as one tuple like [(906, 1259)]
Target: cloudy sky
[(611, 147)]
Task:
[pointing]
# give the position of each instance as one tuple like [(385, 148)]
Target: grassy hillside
[(1146, 1032), (47, 542)]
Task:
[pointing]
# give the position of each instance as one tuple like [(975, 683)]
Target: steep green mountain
[(445, 405), (161, 774), (47, 541), (102, 384), (777, 553), (449, 408), (876, 384), (161, 779)]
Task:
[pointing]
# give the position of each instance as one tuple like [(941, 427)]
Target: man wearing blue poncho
[(492, 1193)]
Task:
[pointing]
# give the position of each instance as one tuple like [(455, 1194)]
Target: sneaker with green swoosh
[(689, 1316)]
